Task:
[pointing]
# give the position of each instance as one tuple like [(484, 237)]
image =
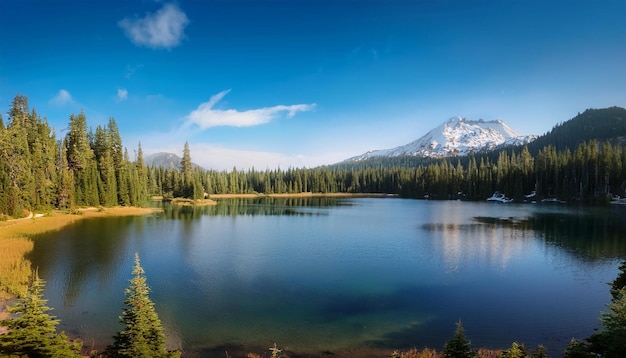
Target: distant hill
[(456, 137), (165, 160), (600, 124)]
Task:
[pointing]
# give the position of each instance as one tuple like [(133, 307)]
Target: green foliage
[(32, 332), (459, 346), (577, 349), (517, 350), (540, 352), (619, 282), (610, 340), (142, 336)]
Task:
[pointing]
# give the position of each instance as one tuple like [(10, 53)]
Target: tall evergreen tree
[(142, 174), (106, 167), (65, 179), (142, 336), (186, 171), (610, 341), (459, 346), (79, 152), (117, 154), (32, 332), (15, 155)]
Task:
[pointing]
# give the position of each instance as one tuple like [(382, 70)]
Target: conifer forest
[(42, 170)]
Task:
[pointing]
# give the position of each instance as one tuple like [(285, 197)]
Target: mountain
[(165, 160), (456, 137)]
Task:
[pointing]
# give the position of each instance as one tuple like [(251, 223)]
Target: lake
[(321, 275)]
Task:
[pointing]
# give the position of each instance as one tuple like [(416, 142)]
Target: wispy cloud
[(131, 69), (205, 116), (122, 94), (63, 97), (162, 29)]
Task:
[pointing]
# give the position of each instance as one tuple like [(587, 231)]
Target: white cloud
[(162, 29), (122, 94), (205, 116), (62, 98)]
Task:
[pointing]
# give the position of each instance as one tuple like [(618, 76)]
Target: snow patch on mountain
[(456, 137)]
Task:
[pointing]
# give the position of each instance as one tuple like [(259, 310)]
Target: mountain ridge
[(165, 160), (457, 136)]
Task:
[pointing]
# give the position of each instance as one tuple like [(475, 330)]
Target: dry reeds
[(15, 270)]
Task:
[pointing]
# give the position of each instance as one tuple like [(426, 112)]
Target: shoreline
[(58, 219), (302, 195)]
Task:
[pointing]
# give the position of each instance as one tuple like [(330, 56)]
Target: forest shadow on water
[(251, 207), (590, 235)]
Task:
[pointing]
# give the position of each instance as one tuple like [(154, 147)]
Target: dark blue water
[(320, 275)]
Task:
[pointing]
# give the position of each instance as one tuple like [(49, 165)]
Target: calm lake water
[(320, 275)]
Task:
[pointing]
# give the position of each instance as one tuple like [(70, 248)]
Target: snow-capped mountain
[(458, 136)]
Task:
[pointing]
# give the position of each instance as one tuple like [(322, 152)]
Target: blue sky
[(303, 83)]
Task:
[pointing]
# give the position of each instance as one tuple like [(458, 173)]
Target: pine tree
[(142, 336), (65, 179), (15, 155), (517, 350), (32, 332), (186, 170), (459, 346), (610, 341), (142, 174), (117, 154), (79, 152)]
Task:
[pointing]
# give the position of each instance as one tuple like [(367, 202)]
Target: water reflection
[(589, 234), (592, 234), (87, 252), (462, 243), (251, 207)]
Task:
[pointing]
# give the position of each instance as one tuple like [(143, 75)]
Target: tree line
[(39, 171), (84, 168), (593, 172)]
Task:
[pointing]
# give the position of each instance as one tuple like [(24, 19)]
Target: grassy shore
[(15, 270), (192, 202)]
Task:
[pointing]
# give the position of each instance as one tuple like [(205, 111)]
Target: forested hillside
[(599, 124), (39, 171)]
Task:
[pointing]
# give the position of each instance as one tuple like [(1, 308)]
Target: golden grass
[(14, 243), (14, 268), (432, 353), (59, 219), (192, 202), (424, 353)]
